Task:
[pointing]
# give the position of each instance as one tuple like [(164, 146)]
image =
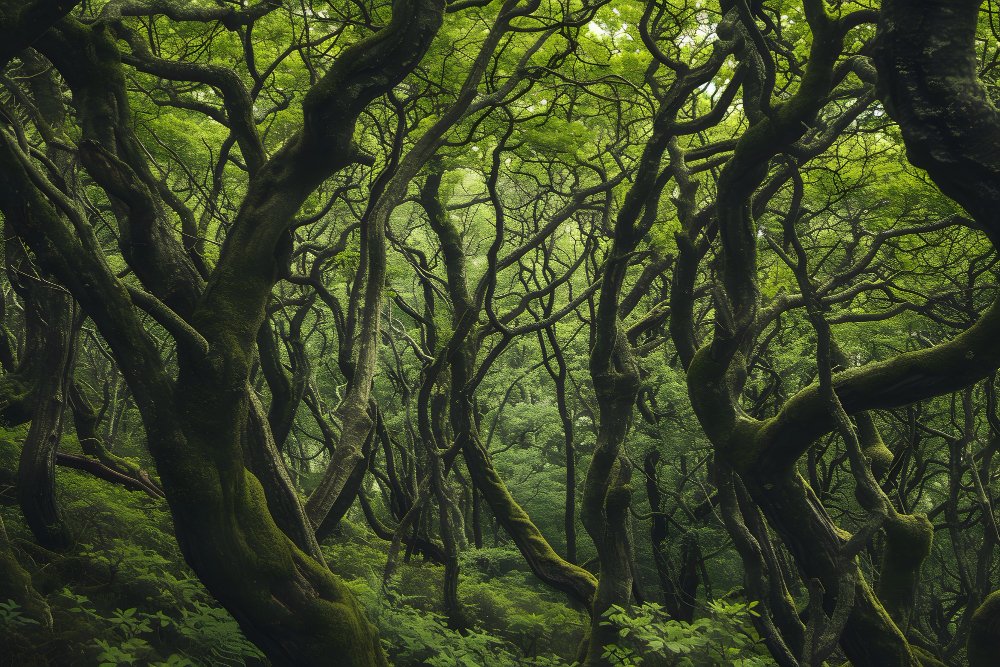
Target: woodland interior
[(476, 333)]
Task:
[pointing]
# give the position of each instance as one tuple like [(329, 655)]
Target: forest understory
[(476, 333)]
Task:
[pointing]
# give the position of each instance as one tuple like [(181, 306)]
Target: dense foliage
[(496, 332)]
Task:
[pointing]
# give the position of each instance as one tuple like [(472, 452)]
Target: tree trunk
[(870, 638), (908, 540), (36, 478), (984, 635)]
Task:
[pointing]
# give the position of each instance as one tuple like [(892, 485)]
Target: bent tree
[(669, 303), (285, 599), (924, 65)]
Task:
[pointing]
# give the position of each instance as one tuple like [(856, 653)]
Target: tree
[(194, 420)]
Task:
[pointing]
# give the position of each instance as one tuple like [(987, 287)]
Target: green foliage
[(130, 651), (12, 617), (211, 632), (195, 634), (723, 638), (514, 607), (124, 596), (415, 637), (577, 102), (516, 620)]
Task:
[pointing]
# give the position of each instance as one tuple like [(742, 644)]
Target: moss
[(541, 557), (713, 403), (301, 602), (881, 638), (16, 584), (925, 658), (875, 450), (909, 537), (879, 458), (746, 445), (908, 543), (984, 633)]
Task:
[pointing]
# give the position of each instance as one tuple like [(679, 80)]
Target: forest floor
[(122, 594)]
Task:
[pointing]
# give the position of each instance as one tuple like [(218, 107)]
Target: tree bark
[(984, 634), (285, 601), (36, 476)]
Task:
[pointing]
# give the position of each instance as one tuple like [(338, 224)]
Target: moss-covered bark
[(287, 388), (984, 633), (19, 385), (460, 353), (908, 540), (778, 624), (264, 461), (284, 600), (36, 475), (607, 494), (16, 585), (870, 637), (764, 453), (928, 66)]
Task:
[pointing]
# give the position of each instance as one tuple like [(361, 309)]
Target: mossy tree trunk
[(717, 371), (458, 355), (36, 474), (173, 275), (605, 510), (285, 601), (984, 633), (778, 622), (287, 388), (614, 369), (37, 390), (907, 545), (20, 384), (928, 65), (16, 584)]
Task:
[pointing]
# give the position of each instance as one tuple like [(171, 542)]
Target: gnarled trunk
[(984, 634), (36, 474)]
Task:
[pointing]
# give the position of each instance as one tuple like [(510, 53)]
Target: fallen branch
[(101, 471)]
